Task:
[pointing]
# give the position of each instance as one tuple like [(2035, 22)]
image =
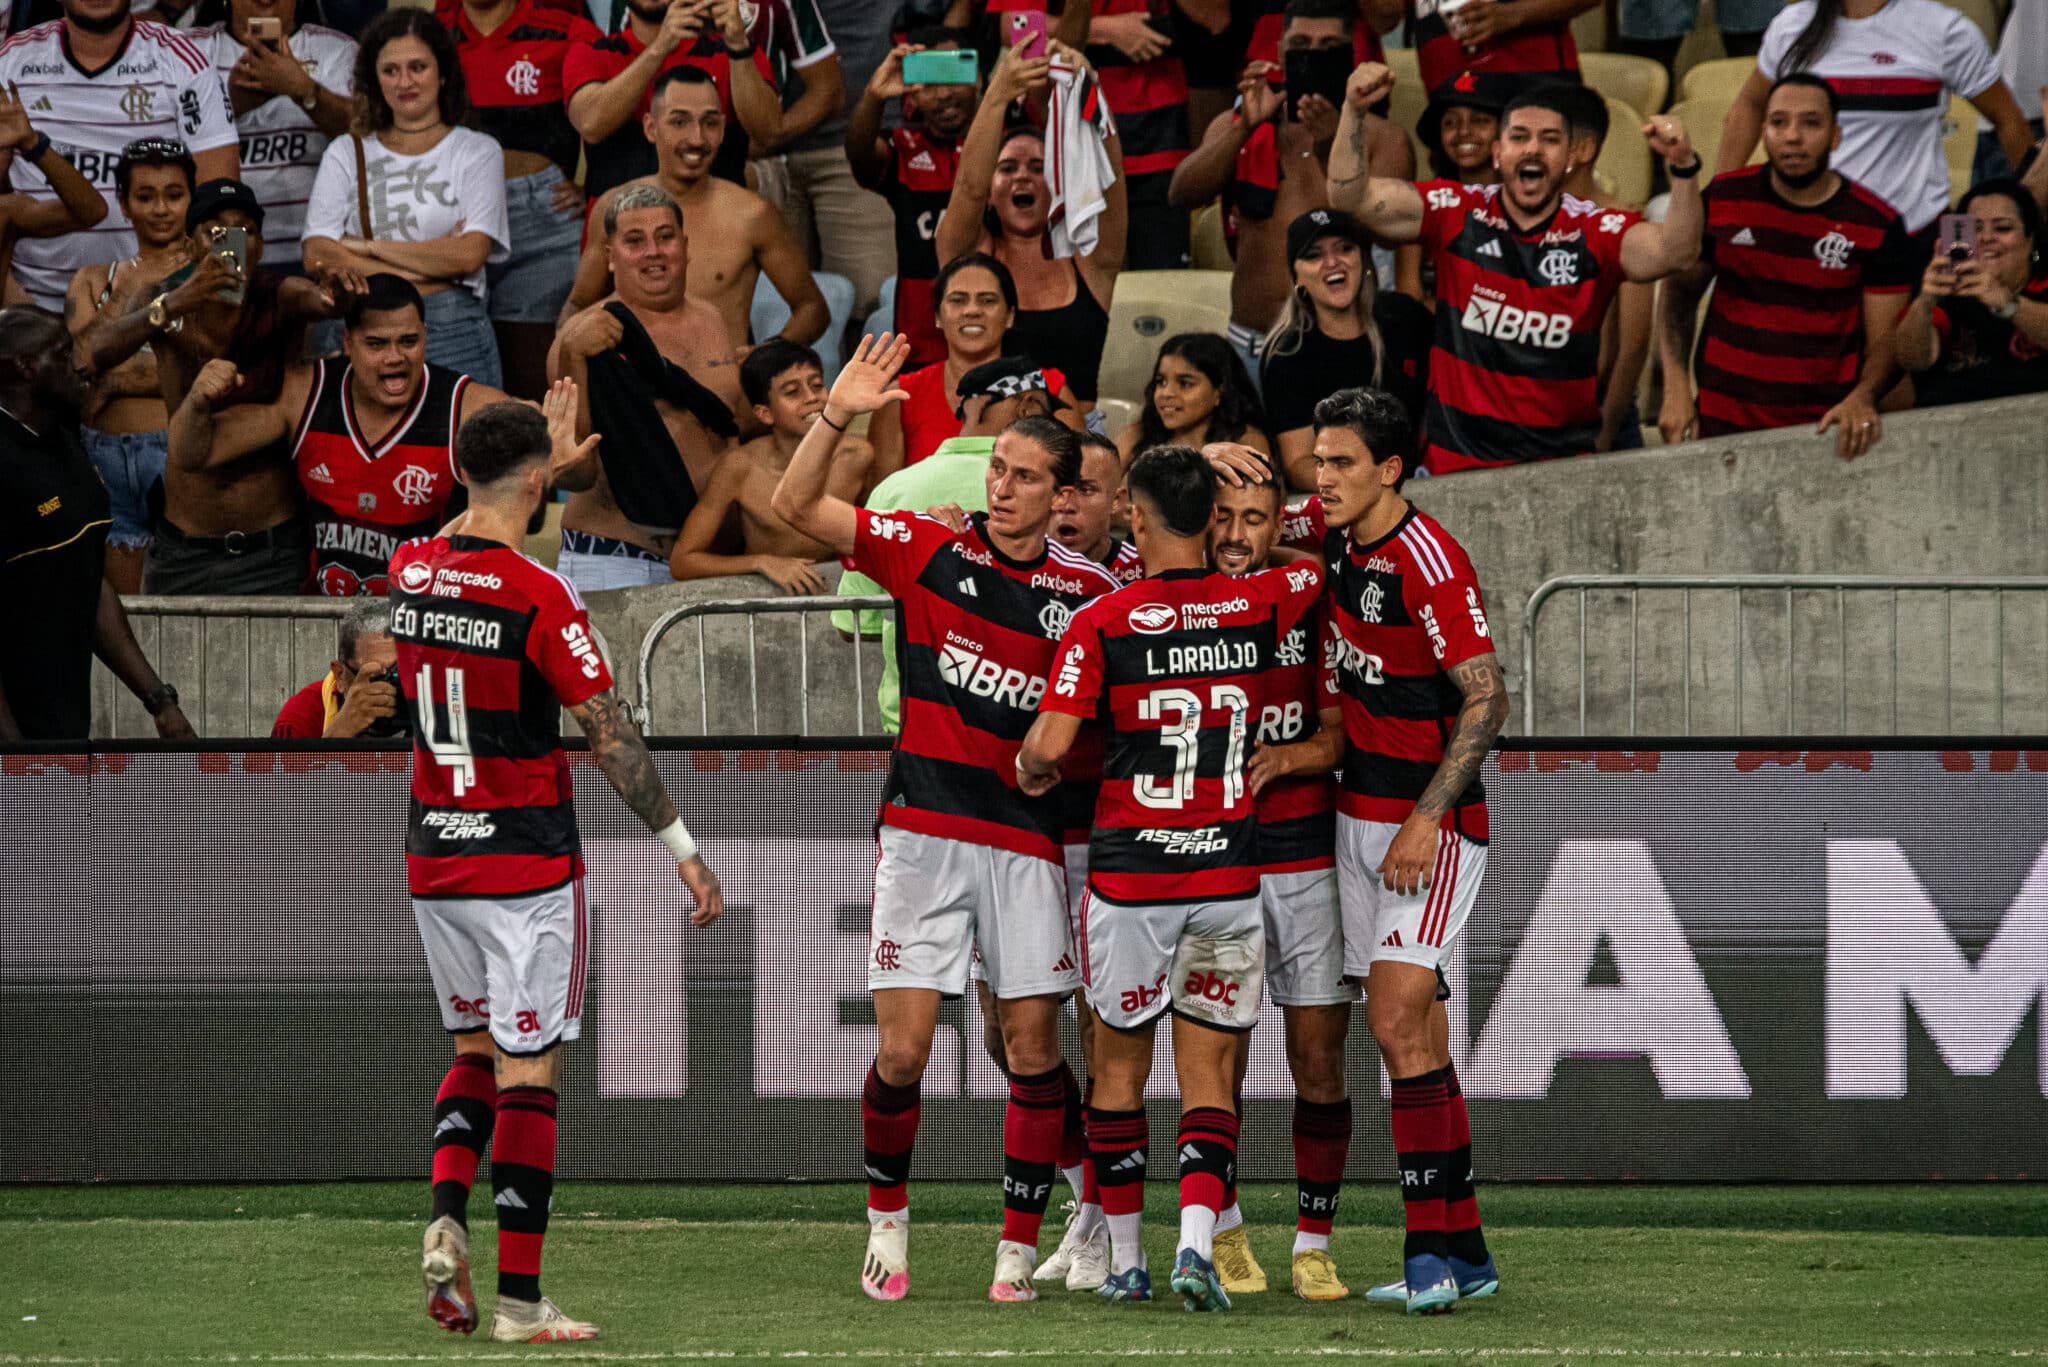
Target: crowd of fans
[(294, 243)]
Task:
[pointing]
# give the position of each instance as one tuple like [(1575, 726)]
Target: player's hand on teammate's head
[(1237, 464), (703, 885), (868, 382)]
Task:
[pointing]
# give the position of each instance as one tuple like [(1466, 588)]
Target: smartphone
[(952, 66), (1026, 32), (267, 30), (1956, 238), (1316, 71), (233, 243)]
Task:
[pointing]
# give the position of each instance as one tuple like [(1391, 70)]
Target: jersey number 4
[(452, 748), (1179, 713)]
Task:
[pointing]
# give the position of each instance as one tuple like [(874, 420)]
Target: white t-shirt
[(1892, 74), (2023, 54), (281, 145), (160, 86), (459, 183)]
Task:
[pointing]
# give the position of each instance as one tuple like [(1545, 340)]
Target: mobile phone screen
[(1317, 71)]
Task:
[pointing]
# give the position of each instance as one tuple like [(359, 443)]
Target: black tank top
[(1069, 337)]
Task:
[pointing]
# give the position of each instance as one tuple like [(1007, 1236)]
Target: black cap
[(1485, 90), (1317, 224), (212, 198), (1004, 378)]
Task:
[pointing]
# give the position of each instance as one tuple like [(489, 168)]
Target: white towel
[(1077, 162)]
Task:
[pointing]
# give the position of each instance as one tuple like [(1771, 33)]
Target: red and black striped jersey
[(1404, 611), (514, 74), (1534, 49), (1149, 99), (1173, 667), (1297, 814), (1124, 561), (917, 180), (1783, 338), (1081, 771), (1515, 370), (491, 647), (975, 636), (369, 498)]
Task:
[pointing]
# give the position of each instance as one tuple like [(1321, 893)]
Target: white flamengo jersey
[(1892, 75), (159, 86), (281, 146)]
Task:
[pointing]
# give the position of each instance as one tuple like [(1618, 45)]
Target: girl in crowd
[(433, 191), (1002, 205), (975, 300), (1460, 125), (1199, 393), (1340, 329), (1979, 329)]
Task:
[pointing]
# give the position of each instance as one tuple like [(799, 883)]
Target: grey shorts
[(939, 902), (1205, 961), (533, 283)]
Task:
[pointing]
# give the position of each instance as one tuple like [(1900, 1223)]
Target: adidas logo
[(878, 1177), (1128, 1162), (1745, 238), (1393, 940), (509, 1199), (968, 588), (319, 475), (1065, 965), (1190, 1154), (41, 106), (452, 1121), (923, 162), (1490, 247)]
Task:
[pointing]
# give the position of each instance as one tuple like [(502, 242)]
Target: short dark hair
[(2006, 188), (680, 75), (766, 363), (1005, 281), (153, 152), (1376, 418), (1056, 437), (1585, 112), (385, 293), (499, 439), (1345, 10), (1548, 96), (408, 22), (1176, 483), (1806, 80), (938, 35)]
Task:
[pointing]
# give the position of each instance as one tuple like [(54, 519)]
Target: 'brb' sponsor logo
[(1505, 323), (964, 667), (1211, 987)]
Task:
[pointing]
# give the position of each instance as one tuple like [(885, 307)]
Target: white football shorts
[(1304, 939), (938, 901), (1205, 961), (513, 965), (1383, 925)]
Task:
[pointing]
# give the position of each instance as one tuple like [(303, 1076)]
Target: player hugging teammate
[(1215, 855)]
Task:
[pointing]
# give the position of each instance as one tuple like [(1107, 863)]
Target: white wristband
[(679, 841)]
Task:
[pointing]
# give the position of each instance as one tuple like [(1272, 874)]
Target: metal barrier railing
[(1840, 586), (233, 675), (752, 609)]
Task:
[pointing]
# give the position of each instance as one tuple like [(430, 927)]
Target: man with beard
[(375, 436), (94, 81), (739, 236), (1524, 275), (1811, 275)]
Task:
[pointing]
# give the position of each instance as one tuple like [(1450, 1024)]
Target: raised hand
[(887, 83), (1016, 76), (559, 408), (216, 378), (868, 382), (1367, 86), (15, 130), (1260, 98), (1668, 140)]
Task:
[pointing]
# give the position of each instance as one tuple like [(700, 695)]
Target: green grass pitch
[(314, 1274)]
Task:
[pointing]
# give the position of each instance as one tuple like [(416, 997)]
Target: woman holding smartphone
[(434, 190), (1002, 205), (1979, 329)]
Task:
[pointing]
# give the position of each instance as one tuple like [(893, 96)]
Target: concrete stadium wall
[(1947, 492)]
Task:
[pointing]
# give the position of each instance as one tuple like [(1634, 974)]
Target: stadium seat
[(1703, 119), (885, 312), (1625, 160), (1589, 31), (1984, 14), (1149, 307), (1405, 105), (1719, 79), (770, 314), (1637, 82), (1117, 414), (1211, 250), (1959, 145)]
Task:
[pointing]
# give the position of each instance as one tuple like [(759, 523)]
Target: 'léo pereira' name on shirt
[(446, 628)]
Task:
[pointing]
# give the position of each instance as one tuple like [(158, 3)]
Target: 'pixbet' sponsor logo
[(1058, 583), (1199, 840)]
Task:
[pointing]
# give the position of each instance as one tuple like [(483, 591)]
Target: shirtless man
[(738, 234), (785, 382), (647, 257), (1295, 155)]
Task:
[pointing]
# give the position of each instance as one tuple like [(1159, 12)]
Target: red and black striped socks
[(523, 1185), (464, 1111), (1208, 1173), (888, 1125), (1117, 1142), (1422, 1150), (1461, 1202), (1032, 1124), (1322, 1144)]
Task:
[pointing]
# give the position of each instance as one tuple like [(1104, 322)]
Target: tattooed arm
[(1485, 710), (616, 745)]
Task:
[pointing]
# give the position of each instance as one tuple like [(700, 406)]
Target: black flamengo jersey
[(1516, 369), (1172, 666), (369, 498), (1404, 611), (975, 636), (491, 647), (918, 181)]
